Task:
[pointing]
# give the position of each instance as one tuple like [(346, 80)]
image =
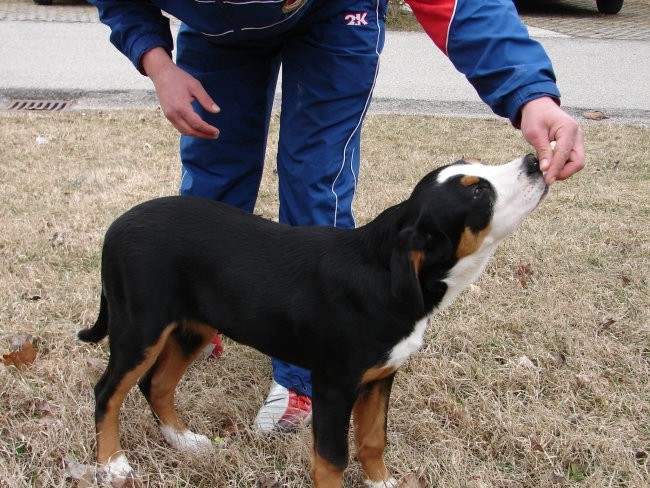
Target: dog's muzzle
[(531, 167)]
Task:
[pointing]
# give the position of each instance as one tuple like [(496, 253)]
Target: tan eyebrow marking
[(469, 180)]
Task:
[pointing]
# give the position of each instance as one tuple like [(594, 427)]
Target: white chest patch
[(407, 346), (466, 271)]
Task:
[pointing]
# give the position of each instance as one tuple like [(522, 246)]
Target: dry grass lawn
[(537, 376)]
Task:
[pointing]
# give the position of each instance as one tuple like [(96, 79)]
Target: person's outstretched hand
[(176, 90), (542, 122)]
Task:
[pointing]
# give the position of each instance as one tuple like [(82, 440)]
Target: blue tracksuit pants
[(329, 58)]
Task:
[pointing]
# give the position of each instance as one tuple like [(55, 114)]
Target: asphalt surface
[(62, 52)]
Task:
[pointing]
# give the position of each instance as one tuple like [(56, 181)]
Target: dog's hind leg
[(159, 384), (121, 375), (369, 417)]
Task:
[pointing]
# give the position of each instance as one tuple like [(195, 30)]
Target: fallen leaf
[(83, 474), (266, 482), (536, 444), (525, 362), (575, 418), (31, 297), (412, 481), (522, 273), (560, 358), (96, 363), (585, 380), (22, 353), (230, 427), (594, 115), (57, 240), (605, 325), (43, 407)]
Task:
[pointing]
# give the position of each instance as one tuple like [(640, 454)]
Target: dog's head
[(452, 223)]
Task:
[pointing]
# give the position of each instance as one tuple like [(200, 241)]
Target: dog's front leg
[(370, 416), (332, 408)]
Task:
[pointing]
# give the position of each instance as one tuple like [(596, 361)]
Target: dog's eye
[(478, 191)]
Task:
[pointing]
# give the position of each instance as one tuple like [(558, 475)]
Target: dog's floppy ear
[(413, 249)]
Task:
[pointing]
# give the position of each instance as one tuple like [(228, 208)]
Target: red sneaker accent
[(214, 349), (298, 410)]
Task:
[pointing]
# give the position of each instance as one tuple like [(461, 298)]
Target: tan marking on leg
[(469, 180), (169, 369), (417, 260), (369, 416), (108, 430), (470, 241), (326, 475), (377, 373), (472, 160)]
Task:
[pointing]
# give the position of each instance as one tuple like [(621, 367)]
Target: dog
[(350, 305)]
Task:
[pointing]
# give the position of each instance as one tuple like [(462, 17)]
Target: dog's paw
[(186, 441), (118, 474), (389, 483)]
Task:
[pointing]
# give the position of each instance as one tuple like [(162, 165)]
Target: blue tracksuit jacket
[(484, 39)]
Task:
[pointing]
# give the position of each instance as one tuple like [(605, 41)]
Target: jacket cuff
[(521, 97), (146, 43)]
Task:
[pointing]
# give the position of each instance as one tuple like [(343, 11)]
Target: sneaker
[(214, 349), (284, 410)]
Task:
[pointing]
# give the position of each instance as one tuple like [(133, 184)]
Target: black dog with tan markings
[(175, 269)]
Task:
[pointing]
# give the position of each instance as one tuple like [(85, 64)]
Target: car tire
[(609, 6)]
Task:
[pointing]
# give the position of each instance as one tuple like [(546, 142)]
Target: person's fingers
[(543, 123), (205, 100), (576, 160), (177, 90), (568, 154), (199, 127), (544, 151), (191, 124)]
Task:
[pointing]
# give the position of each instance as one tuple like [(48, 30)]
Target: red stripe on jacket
[(435, 17)]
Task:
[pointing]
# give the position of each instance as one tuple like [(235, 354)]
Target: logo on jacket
[(291, 5), (356, 18)]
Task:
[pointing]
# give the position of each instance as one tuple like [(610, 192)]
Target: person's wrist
[(540, 103), (155, 61)]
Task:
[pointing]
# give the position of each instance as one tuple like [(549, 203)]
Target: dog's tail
[(100, 330)]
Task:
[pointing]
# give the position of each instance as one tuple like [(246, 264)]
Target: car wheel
[(609, 6)]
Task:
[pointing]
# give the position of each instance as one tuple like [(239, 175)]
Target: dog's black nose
[(531, 164)]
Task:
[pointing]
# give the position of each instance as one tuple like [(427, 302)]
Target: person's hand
[(542, 122), (176, 90)]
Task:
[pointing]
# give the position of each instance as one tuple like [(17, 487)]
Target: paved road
[(65, 54)]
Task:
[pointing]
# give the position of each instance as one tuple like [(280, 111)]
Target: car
[(609, 6)]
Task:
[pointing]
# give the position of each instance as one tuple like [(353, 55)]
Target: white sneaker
[(284, 410)]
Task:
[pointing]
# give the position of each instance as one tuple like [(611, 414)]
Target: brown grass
[(537, 376)]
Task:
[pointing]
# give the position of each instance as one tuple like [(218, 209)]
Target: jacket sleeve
[(137, 26), (488, 43)]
